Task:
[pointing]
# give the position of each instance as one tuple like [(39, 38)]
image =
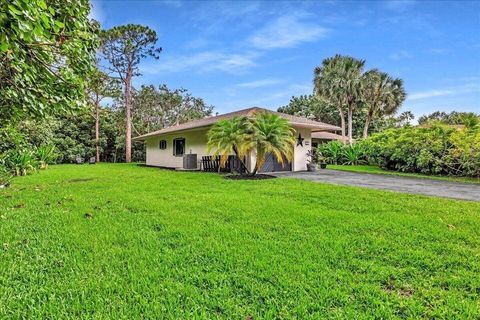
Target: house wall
[(195, 142), (300, 158)]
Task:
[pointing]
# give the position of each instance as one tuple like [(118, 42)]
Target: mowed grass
[(123, 242), (375, 169)]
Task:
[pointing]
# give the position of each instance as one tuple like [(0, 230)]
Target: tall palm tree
[(382, 94), (350, 86), (339, 80), (271, 134), (230, 136), (327, 86)]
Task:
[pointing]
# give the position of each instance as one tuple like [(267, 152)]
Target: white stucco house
[(166, 147)]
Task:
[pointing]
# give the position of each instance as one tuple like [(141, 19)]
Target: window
[(178, 147), (163, 144)]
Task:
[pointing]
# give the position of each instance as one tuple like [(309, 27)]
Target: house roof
[(205, 122), (328, 136)]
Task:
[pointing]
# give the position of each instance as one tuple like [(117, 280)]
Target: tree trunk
[(350, 124), (367, 124), (342, 122), (97, 130), (128, 131), (241, 161)]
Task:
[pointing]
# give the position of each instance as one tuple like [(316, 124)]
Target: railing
[(212, 164)]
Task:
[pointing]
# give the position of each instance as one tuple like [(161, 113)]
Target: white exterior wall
[(300, 158), (195, 142)]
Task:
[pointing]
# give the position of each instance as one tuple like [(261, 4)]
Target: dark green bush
[(439, 149)]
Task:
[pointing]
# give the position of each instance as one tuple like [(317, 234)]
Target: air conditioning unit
[(190, 161)]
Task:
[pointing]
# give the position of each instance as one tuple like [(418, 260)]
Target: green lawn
[(375, 169), (128, 242)]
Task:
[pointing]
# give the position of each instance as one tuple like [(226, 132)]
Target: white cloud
[(260, 83), (202, 62), (467, 88), (286, 32)]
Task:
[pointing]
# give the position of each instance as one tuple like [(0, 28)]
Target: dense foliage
[(336, 152), (74, 135), (437, 150), (46, 50), (453, 117)]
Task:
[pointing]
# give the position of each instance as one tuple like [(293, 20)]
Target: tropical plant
[(46, 154), (327, 86), (382, 95), (124, 47), (332, 151), (351, 86), (264, 134), (21, 162), (353, 154), (229, 137), (271, 134)]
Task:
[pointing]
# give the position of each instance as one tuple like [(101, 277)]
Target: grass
[(378, 170), (124, 242)]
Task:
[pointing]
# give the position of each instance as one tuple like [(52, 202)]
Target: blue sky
[(240, 54)]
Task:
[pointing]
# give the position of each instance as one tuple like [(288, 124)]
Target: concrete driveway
[(428, 187)]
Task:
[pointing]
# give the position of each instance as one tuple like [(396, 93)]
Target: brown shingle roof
[(205, 122), (328, 136)]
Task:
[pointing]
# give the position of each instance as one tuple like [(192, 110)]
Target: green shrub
[(332, 151), (439, 149), (46, 154), (335, 152), (21, 162)]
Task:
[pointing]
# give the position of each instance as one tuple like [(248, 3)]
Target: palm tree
[(339, 80), (326, 85), (350, 85), (382, 94), (265, 133), (230, 136), (271, 134)]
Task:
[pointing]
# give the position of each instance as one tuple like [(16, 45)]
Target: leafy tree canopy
[(452, 118), (46, 50), (156, 108)]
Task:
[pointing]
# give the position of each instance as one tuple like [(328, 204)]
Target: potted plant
[(322, 162)]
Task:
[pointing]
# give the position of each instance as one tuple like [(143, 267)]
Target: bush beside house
[(436, 150)]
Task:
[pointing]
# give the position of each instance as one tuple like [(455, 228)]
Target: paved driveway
[(437, 188)]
